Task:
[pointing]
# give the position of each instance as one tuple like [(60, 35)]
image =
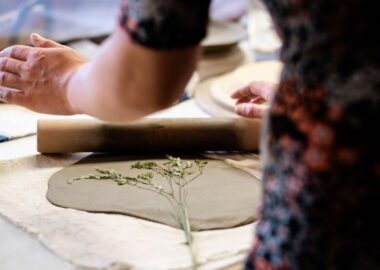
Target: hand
[(42, 73), (253, 99)]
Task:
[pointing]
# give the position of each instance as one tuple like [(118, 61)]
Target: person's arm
[(124, 82), (130, 84), (143, 67)]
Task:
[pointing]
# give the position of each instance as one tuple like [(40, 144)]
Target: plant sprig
[(175, 171)]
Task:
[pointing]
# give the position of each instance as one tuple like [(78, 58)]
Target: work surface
[(18, 250)]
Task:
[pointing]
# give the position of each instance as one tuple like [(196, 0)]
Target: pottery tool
[(148, 135)]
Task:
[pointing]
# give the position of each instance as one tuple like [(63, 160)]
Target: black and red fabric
[(168, 24), (321, 141)]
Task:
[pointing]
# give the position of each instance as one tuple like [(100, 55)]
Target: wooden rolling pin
[(148, 135)]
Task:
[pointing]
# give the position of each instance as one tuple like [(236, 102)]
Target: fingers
[(12, 97), (256, 100), (260, 89), (244, 91), (265, 90), (252, 110), (251, 99), (11, 65), (243, 100), (18, 52), (42, 42), (11, 80)]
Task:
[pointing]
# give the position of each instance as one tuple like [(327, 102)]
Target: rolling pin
[(148, 135)]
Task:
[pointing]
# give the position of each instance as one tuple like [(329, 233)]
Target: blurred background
[(56, 19), (69, 20)]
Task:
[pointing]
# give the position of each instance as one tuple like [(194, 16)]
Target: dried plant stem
[(175, 172), (185, 224)]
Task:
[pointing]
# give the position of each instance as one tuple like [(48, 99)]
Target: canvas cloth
[(105, 241), (17, 122)]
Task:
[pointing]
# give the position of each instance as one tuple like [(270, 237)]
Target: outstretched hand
[(253, 99), (41, 73)]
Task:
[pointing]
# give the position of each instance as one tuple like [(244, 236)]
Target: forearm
[(127, 81), (141, 68)]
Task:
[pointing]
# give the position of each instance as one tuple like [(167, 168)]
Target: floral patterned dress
[(321, 141)]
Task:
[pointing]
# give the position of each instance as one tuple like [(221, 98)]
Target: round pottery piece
[(223, 35)]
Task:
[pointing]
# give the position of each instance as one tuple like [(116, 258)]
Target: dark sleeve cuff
[(165, 24)]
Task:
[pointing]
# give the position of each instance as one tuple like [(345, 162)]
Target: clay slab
[(223, 197)]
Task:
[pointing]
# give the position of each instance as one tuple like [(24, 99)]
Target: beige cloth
[(105, 241), (17, 122)]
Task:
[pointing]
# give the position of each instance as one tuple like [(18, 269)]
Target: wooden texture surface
[(149, 135)]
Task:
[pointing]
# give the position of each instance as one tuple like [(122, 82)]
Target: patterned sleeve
[(165, 24)]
